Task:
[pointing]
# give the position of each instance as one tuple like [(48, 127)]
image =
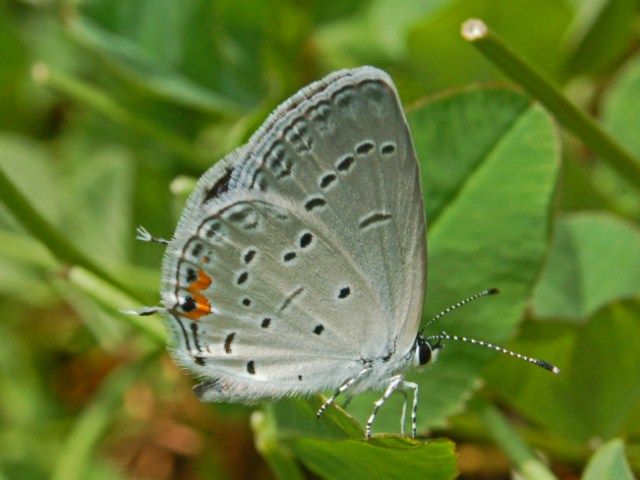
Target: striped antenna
[(535, 361), (461, 303)]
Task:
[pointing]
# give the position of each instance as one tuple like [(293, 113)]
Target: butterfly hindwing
[(301, 254)]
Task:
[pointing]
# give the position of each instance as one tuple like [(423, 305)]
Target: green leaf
[(621, 108), (376, 32), (381, 458), (102, 188), (523, 458), (600, 35), (598, 390), (296, 418), (28, 164), (608, 463), (489, 164), (594, 260), (154, 76), (441, 58)]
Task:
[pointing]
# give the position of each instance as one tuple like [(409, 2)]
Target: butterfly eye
[(423, 352)]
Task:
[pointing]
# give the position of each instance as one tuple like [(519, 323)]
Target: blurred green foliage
[(109, 107)]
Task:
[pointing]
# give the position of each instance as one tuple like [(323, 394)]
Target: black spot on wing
[(227, 342), (373, 218), (291, 298), (314, 202), (221, 186), (364, 148)]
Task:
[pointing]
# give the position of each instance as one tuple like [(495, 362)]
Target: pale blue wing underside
[(302, 254)]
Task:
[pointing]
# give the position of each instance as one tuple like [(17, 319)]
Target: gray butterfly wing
[(301, 255)]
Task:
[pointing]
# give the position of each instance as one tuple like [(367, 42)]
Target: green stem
[(110, 298), (50, 237), (106, 106), (523, 458), (570, 116), (279, 458)]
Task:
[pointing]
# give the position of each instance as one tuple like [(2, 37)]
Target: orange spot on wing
[(203, 307), (203, 281)]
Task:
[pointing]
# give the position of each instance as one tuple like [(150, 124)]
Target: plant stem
[(523, 458), (280, 459), (570, 116), (106, 106), (50, 237)]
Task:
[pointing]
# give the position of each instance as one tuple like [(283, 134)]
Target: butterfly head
[(425, 352)]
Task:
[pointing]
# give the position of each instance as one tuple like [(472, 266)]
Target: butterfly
[(298, 265)]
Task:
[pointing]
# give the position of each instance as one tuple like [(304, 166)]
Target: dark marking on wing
[(249, 256), (194, 330), (220, 187), (242, 278), (251, 367), (305, 239), (344, 292), (327, 180), (374, 217), (291, 297), (364, 148), (227, 342), (388, 148), (188, 304), (192, 276), (345, 163), (314, 203)]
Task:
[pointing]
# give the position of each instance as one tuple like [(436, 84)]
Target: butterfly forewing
[(301, 255)]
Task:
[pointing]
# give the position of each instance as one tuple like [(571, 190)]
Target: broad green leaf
[(608, 463), (381, 458), (296, 418), (373, 34), (101, 184), (155, 76), (29, 165), (489, 164), (621, 109), (600, 34), (441, 58), (598, 390), (594, 260)]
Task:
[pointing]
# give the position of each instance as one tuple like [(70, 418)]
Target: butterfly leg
[(414, 406), (403, 417), (341, 389), (395, 383)]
